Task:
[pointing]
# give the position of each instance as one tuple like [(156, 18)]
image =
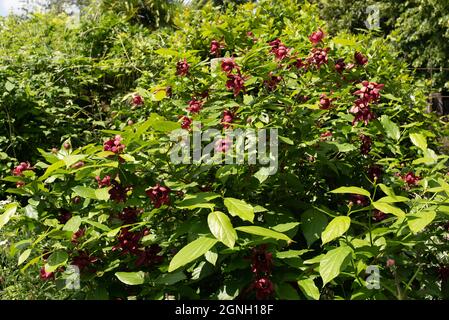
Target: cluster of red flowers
[(186, 122), (44, 275), (261, 265), (195, 106), (370, 92), (105, 182), (411, 179), (340, 65), (318, 57), (114, 145), (236, 81), (279, 49), (128, 243), (182, 68), (23, 166), (159, 195), (360, 58), (83, 260)]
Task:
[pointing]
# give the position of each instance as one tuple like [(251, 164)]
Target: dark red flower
[(105, 182), (137, 100), (77, 235), (159, 195), (374, 172), (129, 215), (114, 145), (365, 147), (362, 112), (128, 241), (272, 82), (360, 59), (118, 192), (325, 102), (369, 92), (64, 216), (411, 179), (44, 275), (20, 184), (318, 57), (182, 68), (83, 260), (379, 215), (236, 83), (279, 49), (261, 260), (150, 256), (186, 122), (390, 263), (215, 47), (299, 64), (228, 64), (340, 65), (358, 199), (23, 166), (264, 288), (316, 36), (195, 106), (227, 119)]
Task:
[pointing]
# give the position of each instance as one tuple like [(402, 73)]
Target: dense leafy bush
[(360, 181), (418, 28)]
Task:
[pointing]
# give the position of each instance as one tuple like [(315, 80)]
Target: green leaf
[(221, 227), (239, 208), (166, 52), (168, 279), (390, 127), (72, 159), (73, 224), (264, 232), (387, 208), (393, 199), (159, 123), (309, 289), (24, 256), (419, 140), (56, 259), (31, 212), (10, 210), (335, 229), (131, 278), (9, 86), (190, 252), (262, 174), (418, 221), (90, 193), (55, 166), (352, 190), (333, 263), (313, 224), (198, 200)]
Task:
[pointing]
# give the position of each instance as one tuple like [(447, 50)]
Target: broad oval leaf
[(313, 224), (221, 227), (352, 190), (55, 260), (309, 289), (335, 229), (240, 209), (418, 221), (387, 208), (333, 263), (190, 252), (264, 232), (24, 256), (131, 278), (390, 127), (10, 210), (419, 140), (73, 224)]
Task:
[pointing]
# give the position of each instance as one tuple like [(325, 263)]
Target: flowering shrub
[(360, 181)]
